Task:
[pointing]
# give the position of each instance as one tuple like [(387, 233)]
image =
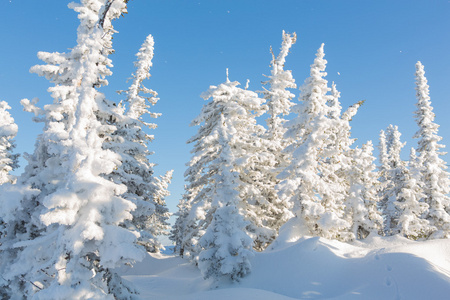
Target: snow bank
[(312, 268)]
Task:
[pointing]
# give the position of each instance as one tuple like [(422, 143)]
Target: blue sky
[(371, 48)]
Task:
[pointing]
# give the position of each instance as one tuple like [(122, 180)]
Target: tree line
[(245, 181), (89, 202)]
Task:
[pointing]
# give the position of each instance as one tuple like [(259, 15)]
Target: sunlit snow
[(311, 268)]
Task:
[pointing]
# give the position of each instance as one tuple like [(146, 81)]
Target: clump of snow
[(311, 268)]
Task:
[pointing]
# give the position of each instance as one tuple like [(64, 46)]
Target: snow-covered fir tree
[(227, 139), (187, 230), (399, 187), (63, 202), (344, 165), (279, 100), (410, 204), (8, 131), (240, 106), (275, 212), (362, 201), (130, 141), (158, 223), (178, 228), (318, 202), (435, 178), (226, 248)]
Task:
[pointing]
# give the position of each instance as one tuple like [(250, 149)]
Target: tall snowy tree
[(435, 178), (318, 202), (8, 131), (73, 209), (130, 141), (401, 194), (278, 98), (179, 227), (350, 171), (226, 248), (394, 176), (362, 201), (187, 230), (158, 223), (411, 222), (224, 151)]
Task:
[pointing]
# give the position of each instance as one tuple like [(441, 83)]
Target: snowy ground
[(312, 268)]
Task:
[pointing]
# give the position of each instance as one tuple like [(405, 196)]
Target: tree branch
[(101, 22)]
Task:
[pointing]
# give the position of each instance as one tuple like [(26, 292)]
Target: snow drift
[(311, 268)]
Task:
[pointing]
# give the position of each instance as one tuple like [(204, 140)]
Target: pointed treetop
[(319, 63), (422, 87), (137, 103), (228, 79), (394, 145), (278, 62), (320, 52)]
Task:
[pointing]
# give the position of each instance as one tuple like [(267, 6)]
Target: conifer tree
[(64, 203), (226, 248), (342, 170), (410, 204), (401, 203), (179, 227), (269, 210), (435, 178), (318, 204), (224, 150), (187, 230), (130, 141), (279, 99), (362, 201), (158, 223)]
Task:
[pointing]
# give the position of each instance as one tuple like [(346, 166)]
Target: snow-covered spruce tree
[(226, 248), (411, 206), (362, 200), (76, 212), (8, 131), (318, 203), (351, 171), (224, 143), (186, 231), (239, 108), (393, 175), (396, 174), (435, 178), (274, 212), (130, 141), (158, 223), (178, 228), (279, 101)]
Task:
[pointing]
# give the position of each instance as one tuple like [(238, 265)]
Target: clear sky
[(371, 48)]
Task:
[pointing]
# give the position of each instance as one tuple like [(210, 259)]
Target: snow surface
[(311, 268)]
